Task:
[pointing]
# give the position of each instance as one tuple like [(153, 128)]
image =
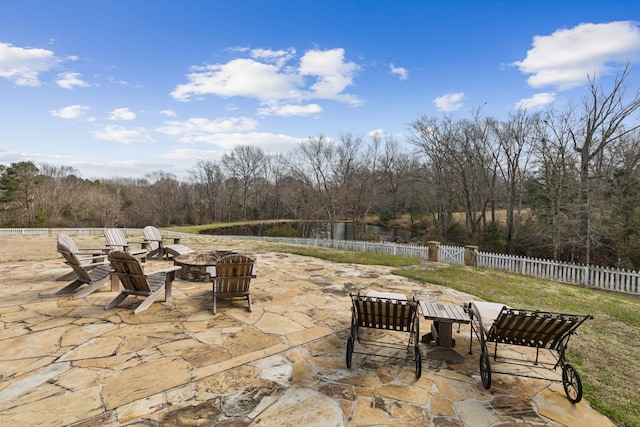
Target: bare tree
[(167, 199), (603, 120), (59, 190), (245, 163), (313, 163), (553, 186), (459, 155), (359, 178), (515, 139), (207, 178), (395, 168)]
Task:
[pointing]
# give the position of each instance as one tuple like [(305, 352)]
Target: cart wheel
[(349, 351), (572, 383), (418, 358), (485, 370)]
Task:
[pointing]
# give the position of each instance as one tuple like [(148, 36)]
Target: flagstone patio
[(70, 362)]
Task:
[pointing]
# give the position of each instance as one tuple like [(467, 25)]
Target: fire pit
[(194, 265)]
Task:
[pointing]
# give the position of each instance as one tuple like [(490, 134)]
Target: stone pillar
[(433, 250), (470, 253)]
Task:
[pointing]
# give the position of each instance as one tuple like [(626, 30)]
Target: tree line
[(563, 183)]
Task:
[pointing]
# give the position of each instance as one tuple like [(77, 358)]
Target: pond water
[(312, 230)]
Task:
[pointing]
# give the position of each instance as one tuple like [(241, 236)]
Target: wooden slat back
[(129, 271), (74, 262), (152, 236), (68, 242), (115, 239), (385, 313), (233, 274), (533, 328)]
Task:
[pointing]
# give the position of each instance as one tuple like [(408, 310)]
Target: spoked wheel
[(418, 358), (349, 351), (485, 370), (572, 383)]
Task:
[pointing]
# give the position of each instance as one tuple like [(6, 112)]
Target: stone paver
[(69, 362)]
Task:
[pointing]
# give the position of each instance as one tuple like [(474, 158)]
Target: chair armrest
[(168, 240), (164, 271), (211, 271), (92, 264), (92, 251)]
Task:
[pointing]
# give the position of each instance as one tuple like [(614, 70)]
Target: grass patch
[(342, 256), (604, 350)]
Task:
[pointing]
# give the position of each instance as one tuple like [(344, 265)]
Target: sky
[(128, 88)]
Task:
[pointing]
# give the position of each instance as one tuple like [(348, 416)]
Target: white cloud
[(269, 142), (279, 57), (334, 75), (377, 133), (192, 154), (539, 100), (399, 71), (267, 77), (169, 113), (121, 114), (124, 135), (23, 66), (71, 112), (69, 80), (200, 129), (449, 102), (240, 77), (565, 58), (290, 110)]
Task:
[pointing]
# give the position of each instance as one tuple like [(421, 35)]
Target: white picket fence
[(610, 279), (385, 248)]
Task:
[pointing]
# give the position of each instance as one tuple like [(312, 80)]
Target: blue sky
[(117, 88)]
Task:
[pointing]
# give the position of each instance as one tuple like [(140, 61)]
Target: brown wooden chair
[(117, 241), (135, 282), (232, 278), (157, 246), (87, 271), (84, 255)]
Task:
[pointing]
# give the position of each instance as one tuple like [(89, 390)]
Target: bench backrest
[(533, 328), (384, 313)]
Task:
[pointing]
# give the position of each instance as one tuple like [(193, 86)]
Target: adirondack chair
[(117, 241), (85, 255), (87, 272), (155, 243), (231, 278), (136, 283)]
